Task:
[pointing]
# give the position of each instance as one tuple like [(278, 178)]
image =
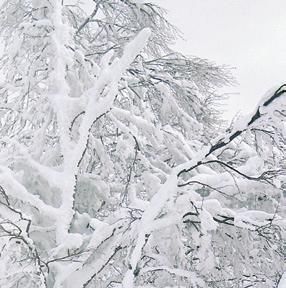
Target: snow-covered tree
[(111, 173)]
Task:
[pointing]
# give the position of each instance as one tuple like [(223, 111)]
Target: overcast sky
[(247, 34)]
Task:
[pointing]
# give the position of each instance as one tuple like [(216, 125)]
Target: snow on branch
[(222, 142)]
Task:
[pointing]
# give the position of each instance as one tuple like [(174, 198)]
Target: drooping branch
[(281, 91), (257, 178)]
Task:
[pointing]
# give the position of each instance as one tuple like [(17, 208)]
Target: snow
[(207, 222), (138, 150), (251, 219), (192, 277), (97, 105), (167, 191), (17, 190), (212, 206)]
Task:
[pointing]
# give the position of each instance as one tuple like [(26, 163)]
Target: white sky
[(247, 34)]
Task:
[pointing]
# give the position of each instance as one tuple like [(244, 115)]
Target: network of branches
[(111, 170)]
